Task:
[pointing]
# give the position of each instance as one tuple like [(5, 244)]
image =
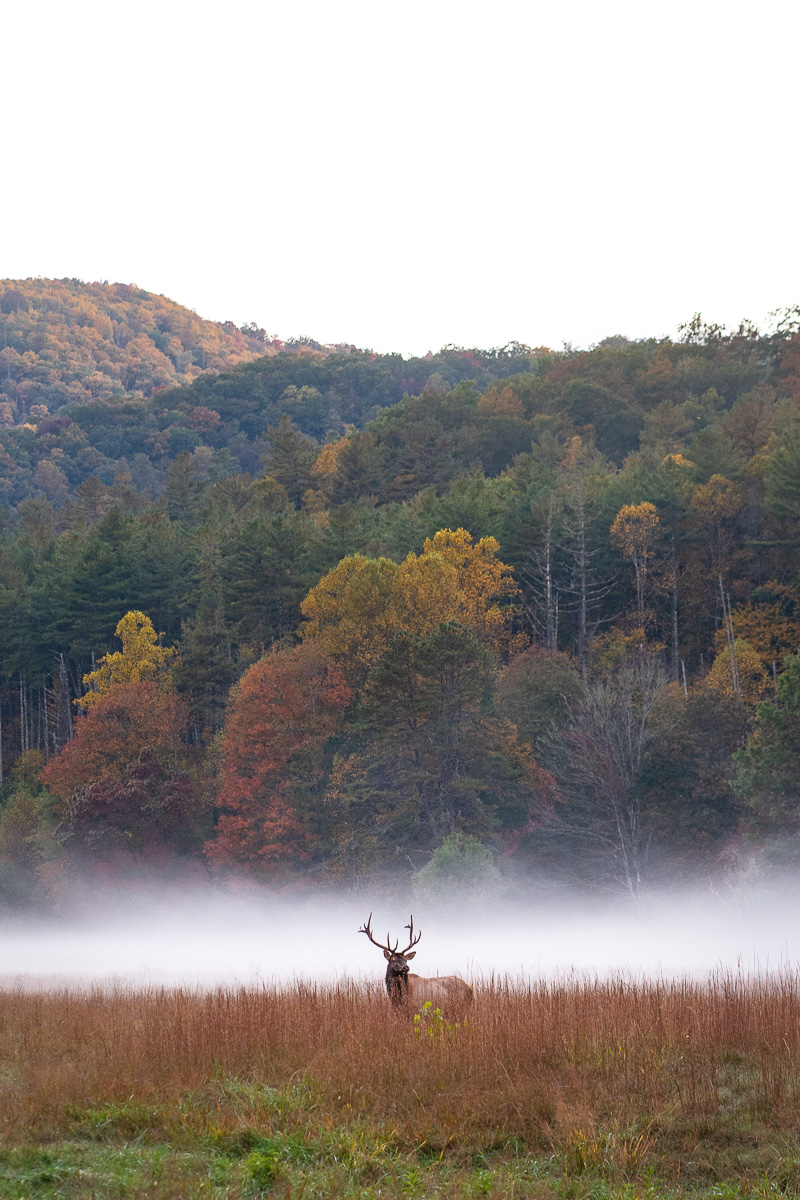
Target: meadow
[(567, 1088)]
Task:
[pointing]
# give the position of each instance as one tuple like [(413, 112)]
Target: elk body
[(403, 988)]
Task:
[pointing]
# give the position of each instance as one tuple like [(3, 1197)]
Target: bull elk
[(443, 991)]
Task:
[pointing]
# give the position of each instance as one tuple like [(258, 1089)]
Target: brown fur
[(443, 991)]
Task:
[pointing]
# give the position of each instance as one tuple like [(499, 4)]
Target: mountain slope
[(63, 341)]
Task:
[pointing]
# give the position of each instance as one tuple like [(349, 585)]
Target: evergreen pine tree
[(290, 459)]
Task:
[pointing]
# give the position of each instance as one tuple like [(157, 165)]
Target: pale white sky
[(410, 174)]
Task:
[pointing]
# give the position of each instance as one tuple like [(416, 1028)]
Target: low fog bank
[(204, 939)]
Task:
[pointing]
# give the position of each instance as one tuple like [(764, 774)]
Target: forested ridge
[(330, 616)]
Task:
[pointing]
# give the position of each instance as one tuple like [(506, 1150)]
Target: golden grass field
[(565, 1089)]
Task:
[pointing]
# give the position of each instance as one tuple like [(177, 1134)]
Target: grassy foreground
[(572, 1089)]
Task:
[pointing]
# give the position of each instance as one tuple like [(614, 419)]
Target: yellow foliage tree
[(771, 625), (351, 613), (482, 579), (500, 400), (424, 593), (326, 466), (715, 504), (677, 460), (354, 610), (140, 659), (633, 533), (752, 679), (716, 500), (270, 495)]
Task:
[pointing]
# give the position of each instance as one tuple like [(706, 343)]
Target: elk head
[(397, 960)]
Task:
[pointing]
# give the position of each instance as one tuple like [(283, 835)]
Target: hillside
[(64, 341)]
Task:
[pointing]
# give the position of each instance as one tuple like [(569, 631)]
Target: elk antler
[(367, 929), (410, 929)]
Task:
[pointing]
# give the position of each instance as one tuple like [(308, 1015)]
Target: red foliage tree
[(151, 809), (129, 720), (123, 779), (284, 708)]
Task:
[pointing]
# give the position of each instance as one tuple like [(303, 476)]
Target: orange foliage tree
[(282, 712)]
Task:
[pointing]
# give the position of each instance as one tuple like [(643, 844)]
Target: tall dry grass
[(645, 1063)]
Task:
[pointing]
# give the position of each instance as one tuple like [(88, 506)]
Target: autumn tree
[(633, 533), (483, 581), (738, 671), (140, 659), (350, 613), (770, 621), (281, 713), (357, 607), (151, 810), (124, 722), (715, 505)]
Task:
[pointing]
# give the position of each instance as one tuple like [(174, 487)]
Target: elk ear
[(412, 954), (386, 954)]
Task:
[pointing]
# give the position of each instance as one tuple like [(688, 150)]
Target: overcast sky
[(405, 175)]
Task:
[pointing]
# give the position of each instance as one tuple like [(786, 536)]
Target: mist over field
[(202, 939)]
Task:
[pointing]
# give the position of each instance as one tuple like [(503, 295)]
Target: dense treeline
[(480, 615), (87, 388)]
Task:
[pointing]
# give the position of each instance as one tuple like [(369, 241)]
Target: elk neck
[(397, 985)]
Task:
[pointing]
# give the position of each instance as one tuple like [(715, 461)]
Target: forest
[(314, 616)]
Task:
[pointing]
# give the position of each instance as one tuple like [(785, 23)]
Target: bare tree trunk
[(63, 730), (727, 617), (46, 723), (674, 606), (581, 564), (640, 574), (585, 590), (583, 635), (551, 595)]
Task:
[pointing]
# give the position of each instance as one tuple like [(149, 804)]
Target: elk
[(443, 991)]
